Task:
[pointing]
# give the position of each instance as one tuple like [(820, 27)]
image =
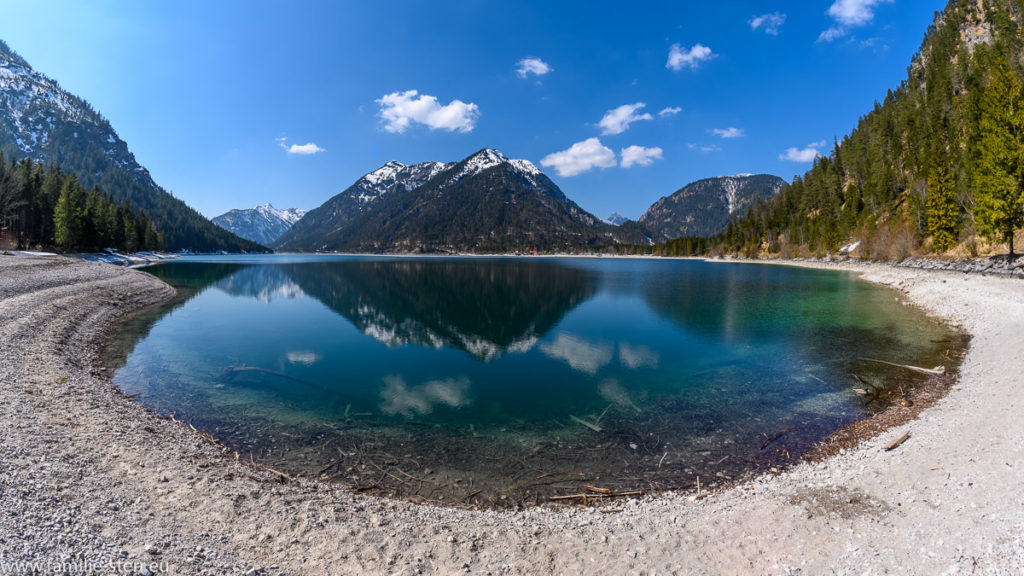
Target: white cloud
[(578, 353), (730, 132), (640, 156), (831, 34), (302, 149), (849, 14), (769, 22), (691, 58), (400, 109), (711, 148), (534, 66), (807, 154), (305, 149), (580, 157), (854, 12), (618, 120), (670, 111)]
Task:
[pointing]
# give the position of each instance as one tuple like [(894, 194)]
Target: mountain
[(916, 174), (704, 207), (484, 203), (263, 224), (616, 219), (319, 225), (41, 121)]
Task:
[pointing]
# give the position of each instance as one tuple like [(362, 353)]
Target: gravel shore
[(89, 478)]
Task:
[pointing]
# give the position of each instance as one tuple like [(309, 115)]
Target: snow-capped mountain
[(394, 176), (263, 224), (704, 207), (616, 219), (486, 202), (42, 121)]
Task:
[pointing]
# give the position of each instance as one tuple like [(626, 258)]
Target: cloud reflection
[(398, 398), (612, 391), (304, 357), (578, 353), (638, 356)]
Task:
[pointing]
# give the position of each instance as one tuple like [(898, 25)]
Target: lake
[(504, 381)]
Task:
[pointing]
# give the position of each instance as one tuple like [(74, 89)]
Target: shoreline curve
[(88, 475)]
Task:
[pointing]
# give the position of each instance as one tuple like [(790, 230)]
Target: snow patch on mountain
[(391, 176)]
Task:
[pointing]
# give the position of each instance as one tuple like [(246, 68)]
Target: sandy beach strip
[(89, 478)]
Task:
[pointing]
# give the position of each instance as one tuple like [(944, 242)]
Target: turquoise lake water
[(502, 381)]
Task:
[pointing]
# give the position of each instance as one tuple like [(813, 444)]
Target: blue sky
[(233, 104)]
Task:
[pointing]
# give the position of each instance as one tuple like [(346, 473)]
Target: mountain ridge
[(42, 121), (262, 224), (704, 207), (485, 202)]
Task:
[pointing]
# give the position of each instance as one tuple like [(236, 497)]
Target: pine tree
[(943, 211), (9, 189), (67, 216), (999, 177)]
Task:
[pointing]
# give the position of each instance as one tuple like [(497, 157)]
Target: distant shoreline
[(90, 472)]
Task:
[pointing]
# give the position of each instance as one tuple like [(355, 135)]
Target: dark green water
[(469, 380)]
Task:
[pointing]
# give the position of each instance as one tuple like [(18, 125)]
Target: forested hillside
[(42, 121), (42, 208), (937, 166)]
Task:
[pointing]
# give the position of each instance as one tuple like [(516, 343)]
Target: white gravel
[(87, 475)]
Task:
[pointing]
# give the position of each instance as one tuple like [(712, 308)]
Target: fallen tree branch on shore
[(895, 444)]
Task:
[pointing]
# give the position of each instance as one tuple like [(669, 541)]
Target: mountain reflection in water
[(501, 372)]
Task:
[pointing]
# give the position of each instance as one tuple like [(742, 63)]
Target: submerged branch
[(937, 371)]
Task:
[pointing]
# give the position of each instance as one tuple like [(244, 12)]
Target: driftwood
[(585, 497), (578, 420), (773, 437), (937, 371), (284, 477), (698, 495), (897, 442), (244, 368), (589, 488)]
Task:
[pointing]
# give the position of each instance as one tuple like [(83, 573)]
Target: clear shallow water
[(503, 381)]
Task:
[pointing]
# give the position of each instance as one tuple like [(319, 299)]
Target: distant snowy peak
[(263, 224), (289, 216), (616, 219)]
